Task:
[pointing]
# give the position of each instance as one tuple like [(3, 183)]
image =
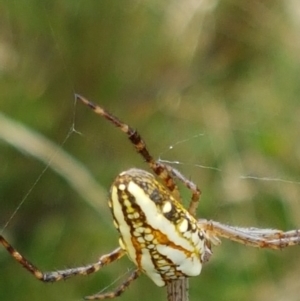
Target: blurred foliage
[(217, 80)]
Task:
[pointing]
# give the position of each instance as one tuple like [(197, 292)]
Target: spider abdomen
[(157, 233)]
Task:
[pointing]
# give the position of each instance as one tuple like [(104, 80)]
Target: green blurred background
[(218, 80)]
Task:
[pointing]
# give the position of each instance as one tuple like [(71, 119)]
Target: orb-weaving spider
[(163, 239)]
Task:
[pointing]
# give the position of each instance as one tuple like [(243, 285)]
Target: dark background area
[(218, 80)]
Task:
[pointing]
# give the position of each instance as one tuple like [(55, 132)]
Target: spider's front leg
[(61, 274), (196, 192), (165, 172)]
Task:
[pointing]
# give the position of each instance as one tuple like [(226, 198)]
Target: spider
[(164, 240)]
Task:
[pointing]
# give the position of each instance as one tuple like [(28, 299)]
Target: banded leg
[(61, 274), (138, 143), (196, 192), (118, 291), (254, 237), (165, 172)]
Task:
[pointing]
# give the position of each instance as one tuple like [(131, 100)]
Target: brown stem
[(178, 290)]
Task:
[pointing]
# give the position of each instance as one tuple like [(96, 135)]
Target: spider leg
[(61, 274), (269, 234), (140, 146), (165, 172), (254, 237), (118, 291), (273, 236), (196, 192)]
